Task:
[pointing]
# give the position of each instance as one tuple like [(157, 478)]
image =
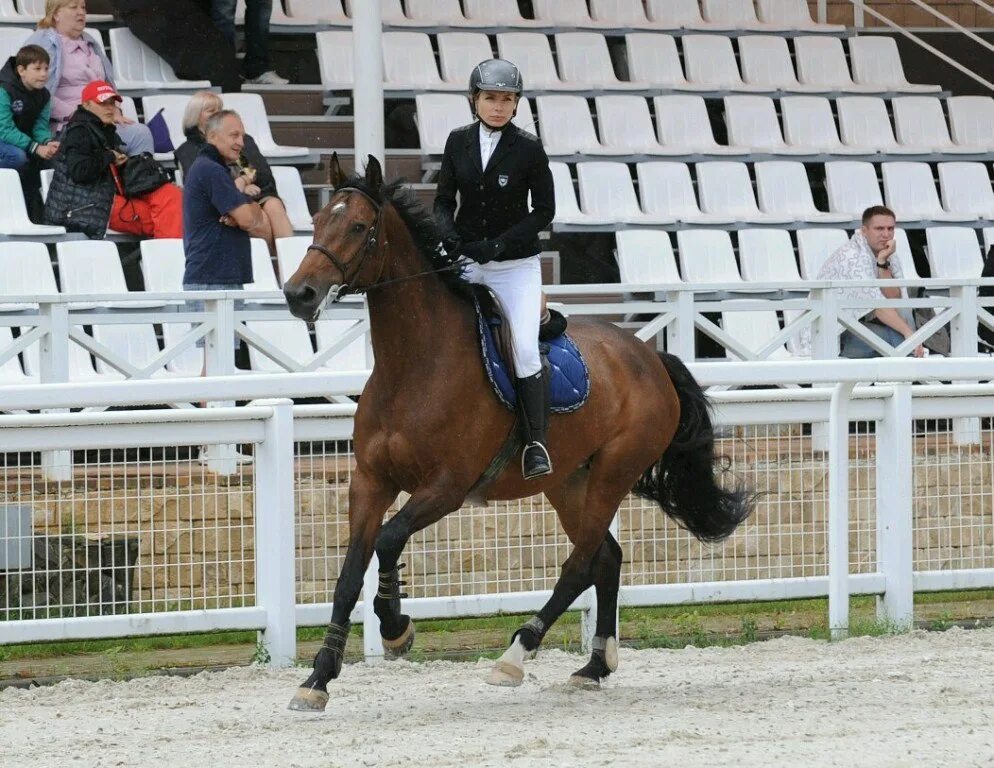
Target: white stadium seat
[(290, 252), (752, 122), (441, 13), (620, 13), (865, 124), (988, 238), (438, 114), (919, 121), (252, 110), (904, 255), (667, 189), (738, 14), (971, 119), (726, 189), (707, 256), (793, 13), (682, 123), (876, 62), (291, 192), (710, 63), (318, 12), (335, 59), (524, 118), (36, 9), (568, 128), (138, 67), (910, 192), (767, 256), (654, 59), (27, 271), (783, 188), (409, 64), (645, 257), (606, 190), (754, 329), (163, 263), (11, 371), (966, 188), (808, 122), (953, 252), (766, 63), (814, 246), (459, 52), (563, 13), (567, 209), (626, 125), (9, 14), (11, 40), (852, 187), (493, 12), (584, 60), (685, 14), (263, 272), (172, 106), (821, 61), (532, 55), (14, 212)]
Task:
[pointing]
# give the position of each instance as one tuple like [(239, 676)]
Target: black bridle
[(344, 289), (367, 249)]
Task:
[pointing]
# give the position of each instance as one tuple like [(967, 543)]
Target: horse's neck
[(415, 321)]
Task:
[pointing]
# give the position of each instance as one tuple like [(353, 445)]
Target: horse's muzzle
[(302, 299)]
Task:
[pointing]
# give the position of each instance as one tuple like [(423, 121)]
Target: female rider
[(494, 165)]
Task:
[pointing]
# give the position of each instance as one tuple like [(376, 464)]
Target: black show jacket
[(493, 203)]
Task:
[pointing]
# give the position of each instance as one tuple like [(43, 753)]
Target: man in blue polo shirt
[(218, 217)]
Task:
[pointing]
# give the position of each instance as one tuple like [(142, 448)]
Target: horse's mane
[(421, 224)]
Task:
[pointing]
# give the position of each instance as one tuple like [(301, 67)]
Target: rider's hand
[(483, 251), (452, 245)]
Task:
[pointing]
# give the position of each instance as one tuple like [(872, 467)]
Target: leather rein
[(344, 289)]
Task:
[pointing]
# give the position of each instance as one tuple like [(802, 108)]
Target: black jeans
[(257, 13)]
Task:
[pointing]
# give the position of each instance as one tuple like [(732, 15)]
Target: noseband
[(367, 249)]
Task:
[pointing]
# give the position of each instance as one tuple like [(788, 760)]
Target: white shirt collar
[(488, 142)]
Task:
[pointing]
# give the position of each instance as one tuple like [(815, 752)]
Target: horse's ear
[(335, 173), (374, 172)]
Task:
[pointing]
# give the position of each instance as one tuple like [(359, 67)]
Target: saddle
[(569, 381)]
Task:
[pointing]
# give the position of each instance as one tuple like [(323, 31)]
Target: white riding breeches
[(517, 285)]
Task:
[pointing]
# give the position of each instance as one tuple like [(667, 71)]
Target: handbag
[(939, 342), (140, 175)]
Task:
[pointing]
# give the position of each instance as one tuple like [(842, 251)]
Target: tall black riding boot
[(533, 399)]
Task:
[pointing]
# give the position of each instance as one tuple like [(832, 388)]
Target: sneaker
[(267, 78)]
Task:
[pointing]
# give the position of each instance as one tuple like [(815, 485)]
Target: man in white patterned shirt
[(870, 255)]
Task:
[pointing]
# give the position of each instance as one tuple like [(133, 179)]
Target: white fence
[(250, 556)]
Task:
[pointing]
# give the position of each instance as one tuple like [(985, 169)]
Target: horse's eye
[(357, 228)]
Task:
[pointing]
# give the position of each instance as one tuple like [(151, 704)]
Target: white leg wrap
[(609, 645)]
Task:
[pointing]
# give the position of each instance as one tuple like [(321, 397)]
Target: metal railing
[(218, 551)]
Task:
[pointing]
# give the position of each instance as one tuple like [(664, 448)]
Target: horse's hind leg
[(425, 507), (607, 580)]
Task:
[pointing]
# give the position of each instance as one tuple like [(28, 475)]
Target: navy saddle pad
[(570, 384)]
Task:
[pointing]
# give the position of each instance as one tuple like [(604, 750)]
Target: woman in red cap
[(84, 196)]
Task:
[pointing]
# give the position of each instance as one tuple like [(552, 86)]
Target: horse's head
[(344, 254)]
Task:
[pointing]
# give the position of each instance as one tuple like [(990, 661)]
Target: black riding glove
[(483, 251), (452, 245)]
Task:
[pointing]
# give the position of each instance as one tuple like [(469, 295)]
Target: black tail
[(684, 480)]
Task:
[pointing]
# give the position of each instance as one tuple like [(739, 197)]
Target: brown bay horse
[(428, 423)]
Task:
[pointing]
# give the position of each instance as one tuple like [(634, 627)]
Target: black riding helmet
[(494, 75)]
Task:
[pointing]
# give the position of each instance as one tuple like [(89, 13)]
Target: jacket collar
[(209, 151), (507, 139)]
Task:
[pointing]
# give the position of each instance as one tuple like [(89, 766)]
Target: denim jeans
[(856, 348), (257, 13), (12, 157)]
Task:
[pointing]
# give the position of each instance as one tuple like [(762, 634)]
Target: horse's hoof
[(309, 700), (585, 683), (395, 649), (506, 674)]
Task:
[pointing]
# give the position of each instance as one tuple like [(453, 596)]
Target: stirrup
[(540, 471)]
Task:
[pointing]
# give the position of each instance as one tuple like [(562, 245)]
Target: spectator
[(25, 141), (256, 68), (75, 60), (251, 171), (84, 196), (220, 218), (871, 255)]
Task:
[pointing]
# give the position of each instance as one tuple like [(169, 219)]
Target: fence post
[(275, 518), (372, 645), (54, 364), (895, 467), (963, 342), (219, 360), (838, 512), (824, 346), (822, 11)]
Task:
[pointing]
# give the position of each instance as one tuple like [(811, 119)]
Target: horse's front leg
[(369, 497)]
